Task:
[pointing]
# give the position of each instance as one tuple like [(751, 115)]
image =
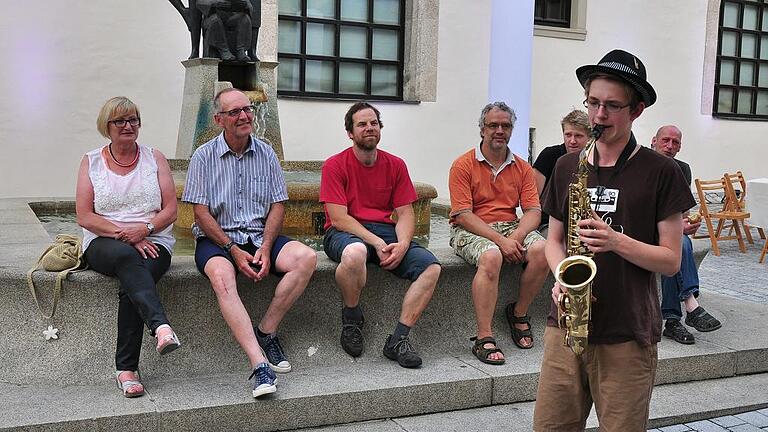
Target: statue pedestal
[(204, 77), (196, 123)]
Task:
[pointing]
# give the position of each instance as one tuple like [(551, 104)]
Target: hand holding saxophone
[(597, 235), (558, 291)]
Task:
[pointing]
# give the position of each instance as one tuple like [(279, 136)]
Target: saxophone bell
[(575, 273)]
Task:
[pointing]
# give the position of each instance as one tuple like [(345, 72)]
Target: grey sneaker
[(402, 352), (352, 336), (263, 380), (270, 344)]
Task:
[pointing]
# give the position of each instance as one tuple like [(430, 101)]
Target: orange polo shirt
[(491, 196)]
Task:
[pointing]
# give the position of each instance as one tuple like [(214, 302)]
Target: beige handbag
[(63, 256)]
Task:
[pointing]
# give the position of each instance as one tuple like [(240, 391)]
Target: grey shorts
[(470, 246)]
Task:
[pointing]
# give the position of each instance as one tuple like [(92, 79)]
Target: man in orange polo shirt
[(487, 184)]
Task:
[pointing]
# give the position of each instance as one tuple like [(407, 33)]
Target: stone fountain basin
[(304, 215)]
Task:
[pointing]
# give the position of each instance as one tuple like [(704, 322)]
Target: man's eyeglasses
[(506, 127), (121, 122), (236, 112), (594, 105)]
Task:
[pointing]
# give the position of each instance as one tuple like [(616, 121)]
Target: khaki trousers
[(618, 378)]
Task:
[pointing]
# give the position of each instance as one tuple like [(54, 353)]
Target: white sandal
[(167, 343), (126, 385)]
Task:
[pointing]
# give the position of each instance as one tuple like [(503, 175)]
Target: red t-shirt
[(370, 194)]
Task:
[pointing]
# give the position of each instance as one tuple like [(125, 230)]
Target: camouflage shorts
[(470, 246)]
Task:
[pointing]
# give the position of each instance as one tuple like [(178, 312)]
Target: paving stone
[(754, 418), (706, 426), (728, 421), (745, 428), (675, 428)]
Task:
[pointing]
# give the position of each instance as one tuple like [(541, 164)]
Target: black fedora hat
[(625, 66)]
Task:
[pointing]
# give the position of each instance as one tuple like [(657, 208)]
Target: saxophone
[(577, 270)]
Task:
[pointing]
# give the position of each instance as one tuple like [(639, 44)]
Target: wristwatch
[(150, 227), (228, 246)]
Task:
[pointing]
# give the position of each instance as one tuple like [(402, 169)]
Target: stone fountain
[(304, 216), (220, 68)]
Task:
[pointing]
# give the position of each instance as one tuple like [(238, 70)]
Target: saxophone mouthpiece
[(597, 130)]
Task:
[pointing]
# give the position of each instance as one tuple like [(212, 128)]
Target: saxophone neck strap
[(623, 157)]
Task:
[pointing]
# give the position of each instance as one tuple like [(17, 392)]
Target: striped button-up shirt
[(237, 190)]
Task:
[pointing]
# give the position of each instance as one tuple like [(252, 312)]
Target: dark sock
[(261, 333), (400, 330), (352, 313)]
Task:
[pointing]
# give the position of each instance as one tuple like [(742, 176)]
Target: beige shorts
[(470, 246), (617, 378)]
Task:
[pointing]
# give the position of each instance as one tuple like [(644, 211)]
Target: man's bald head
[(668, 140)]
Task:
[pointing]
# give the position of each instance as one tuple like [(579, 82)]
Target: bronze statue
[(230, 28)]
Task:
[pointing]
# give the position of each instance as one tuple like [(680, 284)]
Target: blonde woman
[(126, 204)]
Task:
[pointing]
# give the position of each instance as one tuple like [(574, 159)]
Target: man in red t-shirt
[(360, 188)]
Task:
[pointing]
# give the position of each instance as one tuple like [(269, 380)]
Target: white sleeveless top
[(130, 198)]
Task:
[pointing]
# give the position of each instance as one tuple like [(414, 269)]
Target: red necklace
[(114, 159)]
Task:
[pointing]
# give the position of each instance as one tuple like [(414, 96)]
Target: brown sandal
[(482, 353), (517, 334)]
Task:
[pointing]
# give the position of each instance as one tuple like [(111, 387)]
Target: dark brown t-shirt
[(649, 188)]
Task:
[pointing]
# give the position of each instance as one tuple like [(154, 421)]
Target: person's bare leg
[(223, 280), (485, 293), (419, 294), (690, 303), (531, 281), (351, 273), (298, 261)]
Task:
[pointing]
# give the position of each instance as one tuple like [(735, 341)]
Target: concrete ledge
[(87, 315), (73, 374)]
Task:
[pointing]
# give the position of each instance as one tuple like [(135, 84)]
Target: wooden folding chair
[(740, 187), (729, 213)]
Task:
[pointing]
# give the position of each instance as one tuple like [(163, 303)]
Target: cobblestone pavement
[(753, 421), (738, 275)]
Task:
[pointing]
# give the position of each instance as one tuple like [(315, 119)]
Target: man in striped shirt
[(237, 188)]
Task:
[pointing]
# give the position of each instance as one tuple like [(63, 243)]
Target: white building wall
[(62, 60), (669, 37)]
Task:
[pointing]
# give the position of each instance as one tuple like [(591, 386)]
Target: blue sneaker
[(263, 380), (274, 352)]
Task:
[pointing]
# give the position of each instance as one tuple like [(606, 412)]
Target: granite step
[(375, 388), (685, 404)]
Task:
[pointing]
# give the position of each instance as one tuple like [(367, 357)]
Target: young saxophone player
[(638, 198)]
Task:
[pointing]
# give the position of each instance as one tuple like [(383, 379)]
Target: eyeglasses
[(121, 122), (236, 112), (506, 127), (594, 105)]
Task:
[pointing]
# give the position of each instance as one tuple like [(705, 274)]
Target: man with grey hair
[(487, 184), (237, 190)]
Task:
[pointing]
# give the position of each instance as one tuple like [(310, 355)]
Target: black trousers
[(139, 303)]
